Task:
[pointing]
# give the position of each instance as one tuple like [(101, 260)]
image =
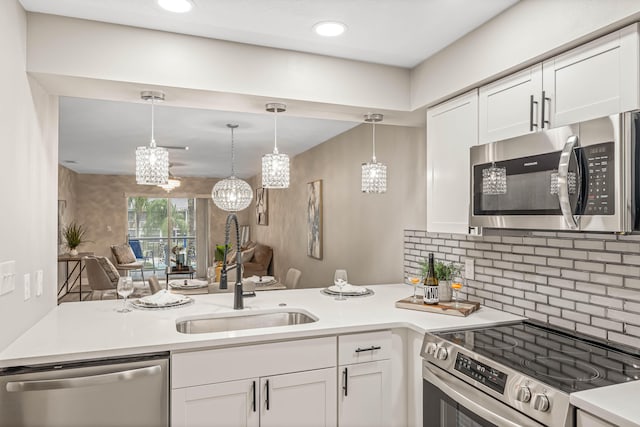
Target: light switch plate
[(469, 269), (39, 285), (7, 277), (27, 286)]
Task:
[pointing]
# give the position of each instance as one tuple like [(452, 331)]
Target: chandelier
[(374, 174), (494, 180), (275, 166), (172, 183), (152, 162), (232, 194)]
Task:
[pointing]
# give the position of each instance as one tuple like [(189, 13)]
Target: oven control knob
[(441, 353), (431, 348), (523, 394), (540, 402)]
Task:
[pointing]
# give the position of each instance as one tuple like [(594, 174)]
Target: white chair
[(293, 278)]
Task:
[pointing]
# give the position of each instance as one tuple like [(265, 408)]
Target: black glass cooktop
[(561, 360)]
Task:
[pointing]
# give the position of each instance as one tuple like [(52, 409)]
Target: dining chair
[(126, 259), (154, 284), (102, 275), (293, 278)]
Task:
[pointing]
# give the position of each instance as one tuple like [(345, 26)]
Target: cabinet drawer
[(584, 419), (365, 347), (226, 364)]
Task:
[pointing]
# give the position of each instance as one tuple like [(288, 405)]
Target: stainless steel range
[(515, 375)]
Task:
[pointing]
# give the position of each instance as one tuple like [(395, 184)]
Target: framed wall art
[(314, 219), (262, 206)]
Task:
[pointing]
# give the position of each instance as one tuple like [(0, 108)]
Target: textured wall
[(361, 232), (101, 205), (581, 281), (67, 195)]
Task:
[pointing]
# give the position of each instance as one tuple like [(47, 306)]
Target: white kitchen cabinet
[(597, 79), (585, 419), (452, 128), (365, 379), (299, 399), (594, 80), (510, 107), (276, 384), (233, 403)]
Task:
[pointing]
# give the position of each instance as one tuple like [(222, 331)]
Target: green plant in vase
[(74, 236), (219, 254)]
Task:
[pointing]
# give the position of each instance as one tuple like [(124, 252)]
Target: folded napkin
[(351, 289), (265, 279), (191, 283), (162, 297)]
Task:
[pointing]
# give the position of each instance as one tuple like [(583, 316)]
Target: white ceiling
[(101, 136)]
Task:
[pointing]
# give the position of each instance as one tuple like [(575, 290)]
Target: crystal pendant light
[(275, 166), (232, 194), (494, 180), (152, 162), (374, 174)]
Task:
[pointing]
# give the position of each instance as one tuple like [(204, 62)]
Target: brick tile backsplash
[(586, 282)]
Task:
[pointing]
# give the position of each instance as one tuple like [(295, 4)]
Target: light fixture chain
[(275, 131), (374, 142), (153, 139), (233, 155)]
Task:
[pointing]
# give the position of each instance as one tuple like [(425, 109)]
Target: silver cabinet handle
[(266, 399), (532, 125), (345, 378), (91, 380), (372, 348), (542, 114), (563, 182)]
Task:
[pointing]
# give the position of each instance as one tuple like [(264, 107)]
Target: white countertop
[(93, 329), (617, 404)]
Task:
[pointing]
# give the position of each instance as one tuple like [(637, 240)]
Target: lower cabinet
[(585, 419), (297, 399), (364, 398)]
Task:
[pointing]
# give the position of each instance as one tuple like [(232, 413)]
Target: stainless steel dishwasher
[(124, 391)]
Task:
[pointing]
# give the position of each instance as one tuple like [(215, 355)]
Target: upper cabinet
[(594, 80), (452, 128)]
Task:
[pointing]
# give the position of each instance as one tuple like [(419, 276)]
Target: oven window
[(439, 410)]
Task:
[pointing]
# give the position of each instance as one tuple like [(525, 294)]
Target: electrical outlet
[(39, 285), (469, 269), (27, 286), (7, 277)]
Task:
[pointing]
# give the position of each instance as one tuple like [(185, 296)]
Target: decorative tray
[(464, 309)]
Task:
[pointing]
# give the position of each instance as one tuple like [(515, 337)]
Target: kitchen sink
[(236, 322)]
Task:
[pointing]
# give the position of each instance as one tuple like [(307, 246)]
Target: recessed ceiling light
[(329, 28), (177, 6)]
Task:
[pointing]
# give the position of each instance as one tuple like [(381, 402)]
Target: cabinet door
[(229, 404), (300, 399), (452, 128), (364, 395), (506, 107), (595, 80), (584, 419)]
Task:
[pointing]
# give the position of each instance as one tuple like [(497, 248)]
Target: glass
[(414, 279), (125, 288), (457, 283), (340, 279)]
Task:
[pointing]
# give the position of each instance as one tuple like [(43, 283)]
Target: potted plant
[(74, 236), (218, 256)]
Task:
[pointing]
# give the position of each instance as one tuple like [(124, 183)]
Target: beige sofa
[(256, 259)]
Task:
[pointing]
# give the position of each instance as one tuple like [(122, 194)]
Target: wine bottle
[(431, 284)]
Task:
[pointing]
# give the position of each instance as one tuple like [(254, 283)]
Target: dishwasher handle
[(87, 381)]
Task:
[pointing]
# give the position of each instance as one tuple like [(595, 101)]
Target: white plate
[(348, 289), (176, 284), (138, 303)]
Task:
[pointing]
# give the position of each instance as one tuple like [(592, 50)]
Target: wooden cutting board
[(464, 309)]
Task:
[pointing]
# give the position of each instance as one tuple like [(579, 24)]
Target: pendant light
[(374, 174), (232, 194), (152, 162), (275, 166), (172, 183)]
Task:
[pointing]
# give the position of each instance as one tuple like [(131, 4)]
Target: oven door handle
[(563, 182), (499, 414)]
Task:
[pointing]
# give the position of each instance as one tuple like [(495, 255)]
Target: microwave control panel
[(600, 182)]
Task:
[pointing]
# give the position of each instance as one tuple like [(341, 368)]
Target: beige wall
[(101, 205), (361, 232), (28, 170), (67, 181)]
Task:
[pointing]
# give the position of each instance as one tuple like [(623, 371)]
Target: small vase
[(218, 271), (444, 290), (73, 252)]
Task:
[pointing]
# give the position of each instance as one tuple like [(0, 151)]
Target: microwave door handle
[(563, 182)]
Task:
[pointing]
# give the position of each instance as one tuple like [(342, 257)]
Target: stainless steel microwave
[(579, 177)]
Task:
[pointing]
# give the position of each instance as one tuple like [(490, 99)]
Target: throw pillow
[(123, 254), (231, 257), (109, 269), (247, 255)]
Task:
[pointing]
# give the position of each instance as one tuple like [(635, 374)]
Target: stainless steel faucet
[(238, 302)]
